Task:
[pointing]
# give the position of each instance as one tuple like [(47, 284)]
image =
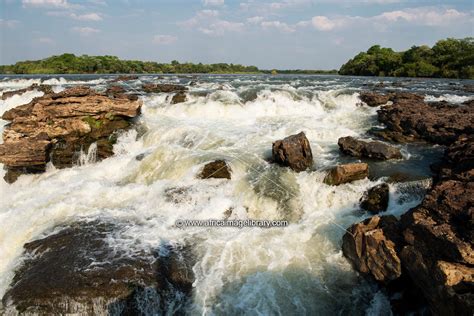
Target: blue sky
[(309, 34)]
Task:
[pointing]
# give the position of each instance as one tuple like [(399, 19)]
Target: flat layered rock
[(347, 173), (46, 89), (60, 126), (293, 151), (373, 149)]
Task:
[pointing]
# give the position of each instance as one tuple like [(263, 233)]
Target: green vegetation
[(71, 64), (449, 58)]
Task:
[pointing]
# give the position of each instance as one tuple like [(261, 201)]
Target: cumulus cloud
[(281, 26), (85, 31), (213, 2), (81, 17), (208, 22), (219, 27), (164, 39), (46, 3)]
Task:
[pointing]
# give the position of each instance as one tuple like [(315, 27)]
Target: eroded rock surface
[(58, 126), (347, 173), (373, 149), (293, 151), (375, 200), (46, 89), (162, 87)]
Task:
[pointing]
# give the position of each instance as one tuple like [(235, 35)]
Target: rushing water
[(294, 270)]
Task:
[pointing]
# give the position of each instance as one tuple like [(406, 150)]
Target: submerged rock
[(347, 173), (46, 89), (375, 200), (217, 169), (371, 247), (374, 149), (58, 126), (76, 271), (165, 87), (293, 151), (179, 97)]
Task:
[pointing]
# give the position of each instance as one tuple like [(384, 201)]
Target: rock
[(46, 89), (375, 200), (76, 271), (373, 99), (167, 88), (217, 169), (371, 247), (178, 98), (374, 149), (114, 90), (293, 151), (58, 126), (125, 78), (347, 173), (410, 118)]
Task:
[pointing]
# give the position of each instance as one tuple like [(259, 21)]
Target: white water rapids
[(295, 270)]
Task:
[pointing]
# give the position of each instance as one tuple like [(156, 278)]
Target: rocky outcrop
[(179, 97), (374, 149), (435, 240), (59, 126), (159, 88), (347, 173), (373, 99), (217, 169), (375, 200), (76, 271), (409, 118), (125, 78), (46, 89), (293, 151), (371, 246)]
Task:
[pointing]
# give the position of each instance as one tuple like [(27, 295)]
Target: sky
[(282, 34)]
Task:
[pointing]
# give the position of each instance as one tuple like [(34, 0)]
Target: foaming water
[(296, 270)]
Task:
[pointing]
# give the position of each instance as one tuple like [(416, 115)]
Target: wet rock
[(410, 118), (375, 200), (374, 149), (178, 98), (76, 271), (217, 169), (167, 88), (58, 126), (46, 89), (293, 151), (373, 99), (115, 90), (347, 173), (371, 247), (125, 78)]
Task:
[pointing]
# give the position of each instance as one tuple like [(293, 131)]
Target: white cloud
[(8, 23), (209, 23), (281, 26), (81, 17), (323, 23), (46, 3), (213, 2), (219, 27), (164, 39), (85, 31), (255, 19)]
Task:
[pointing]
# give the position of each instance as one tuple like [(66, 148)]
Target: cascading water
[(294, 270)]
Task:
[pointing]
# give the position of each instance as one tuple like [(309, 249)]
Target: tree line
[(448, 58)]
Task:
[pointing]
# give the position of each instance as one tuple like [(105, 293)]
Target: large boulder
[(410, 118), (371, 247), (374, 149), (375, 200), (217, 169), (293, 151), (347, 173), (58, 126), (179, 97), (373, 99), (77, 271)]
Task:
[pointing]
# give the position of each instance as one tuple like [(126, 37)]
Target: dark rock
[(293, 151), (46, 89), (374, 149), (167, 88), (125, 78), (58, 126), (371, 247), (410, 118), (375, 200), (374, 99), (216, 169), (347, 173), (76, 271), (178, 98)]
